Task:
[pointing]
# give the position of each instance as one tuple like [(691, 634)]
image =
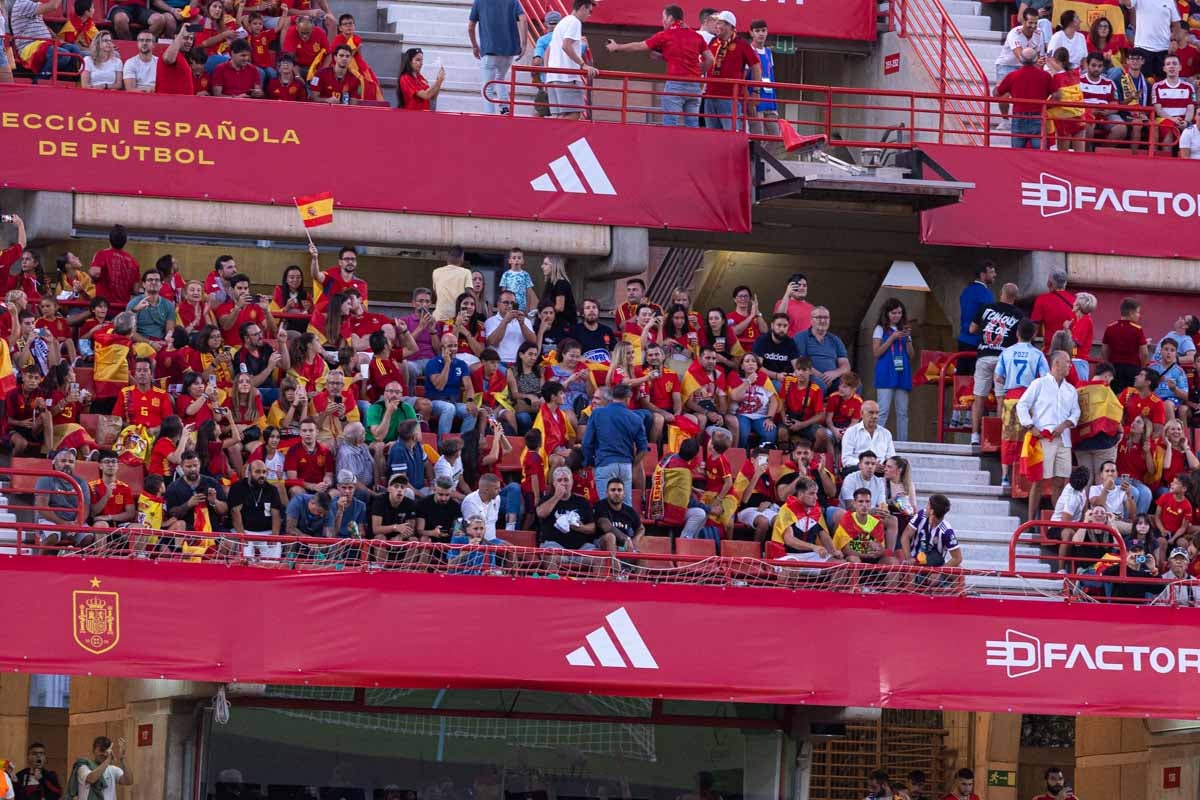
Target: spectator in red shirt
[(173, 73), (1124, 345), (288, 85), (10, 257), (309, 45), (1054, 309), (260, 39), (201, 80), (28, 276), (237, 77), (1029, 83), (1111, 47), (1188, 54), (336, 84), (964, 786), (414, 92), (216, 31), (732, 56), (114, 271), (687, 56)]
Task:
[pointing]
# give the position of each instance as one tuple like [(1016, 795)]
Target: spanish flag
[(315, 209), (1089, 12), (556, 432), (670, 491), (359, 67), (1100, 412), (111, 372), (1030, 462), (8, 375), (1010, 427)]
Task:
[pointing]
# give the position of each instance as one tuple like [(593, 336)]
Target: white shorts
[(747, 515), (272, 550), (1056, 458), (985, 376)]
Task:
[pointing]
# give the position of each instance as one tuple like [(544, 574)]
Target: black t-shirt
[(554, 334), (179, 492), (256, 503), (776, 356), (394, 515), (557, 289), (624, 520), (602, 338), (574, 508), (435, 514), (997, 327), (254, 364)]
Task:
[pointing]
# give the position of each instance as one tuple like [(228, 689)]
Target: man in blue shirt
[(826, 351), (765, 119), (349, 513), (155, 314), (975, 296), (407, 457), (447, 386), (614, 440), (308, 515), (501, 25)]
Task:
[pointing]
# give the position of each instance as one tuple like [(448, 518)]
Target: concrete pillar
[(1032, 271), (14, 716), (47, 215), (629, 255), (1111, 758)]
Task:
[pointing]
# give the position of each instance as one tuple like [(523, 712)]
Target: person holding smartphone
[(35, 782)]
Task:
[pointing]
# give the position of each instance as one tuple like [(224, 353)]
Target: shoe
[(1004, 126), (974, 439), (1006, 485)]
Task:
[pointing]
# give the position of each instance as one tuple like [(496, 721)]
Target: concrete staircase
[(381, 47), (979, 514), (983, 33), (439, 28)]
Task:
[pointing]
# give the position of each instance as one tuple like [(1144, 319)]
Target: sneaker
[(1006, 485), (974, 439), (1003, 126)]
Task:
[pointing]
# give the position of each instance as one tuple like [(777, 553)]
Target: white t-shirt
[(510, 342), (1016, 38), (556, 58), (1076, 46), (1154, 18), (1070, 505), (473, 506), (445, 468), (107, 73), (1115, 502), (143, 72), (1190, 141), (112, 774)]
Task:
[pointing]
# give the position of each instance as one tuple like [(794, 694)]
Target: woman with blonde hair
[(102, 66), (557, 291), (1083, 331)]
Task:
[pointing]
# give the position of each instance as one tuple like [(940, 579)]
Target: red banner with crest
[(247, 151), (354, 628)]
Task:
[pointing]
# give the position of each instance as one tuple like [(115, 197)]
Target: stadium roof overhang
[(638, 638)]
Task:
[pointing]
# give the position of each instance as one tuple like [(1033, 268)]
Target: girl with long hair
[(308, 362), (413, 92), (525, 384), (557, 291), (716, 333), (291, 296)]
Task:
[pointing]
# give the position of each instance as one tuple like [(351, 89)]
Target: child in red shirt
[(533, 468), (1173, 512), (843, 408)]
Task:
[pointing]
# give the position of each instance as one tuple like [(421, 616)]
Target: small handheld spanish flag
[(315, 209)]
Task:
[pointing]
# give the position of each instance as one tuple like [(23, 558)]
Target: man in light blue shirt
[(1018, 366), (155, 314), (501, 26)]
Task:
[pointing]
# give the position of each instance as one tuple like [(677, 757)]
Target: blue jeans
[(647, 419), (65, 63), (746, 425), (494, 68), (622, 472), (1142, 496), (675, 105), (446, 412), (511, 503), (897, 399), (524, 422), (723, 110), (1026, 131)]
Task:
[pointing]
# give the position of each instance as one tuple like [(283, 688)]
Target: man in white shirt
[(140, 73), (485, 503), (566, 91), (1024, 35), (508, 328), (97, 777), (866, 435), (1050, 408), (1155, 18)]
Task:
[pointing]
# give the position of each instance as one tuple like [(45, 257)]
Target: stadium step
[(936, 448)]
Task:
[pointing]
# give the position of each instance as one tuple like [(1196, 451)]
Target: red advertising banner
[(209, 148), (1033, 200), (354, 628), (811, 19)]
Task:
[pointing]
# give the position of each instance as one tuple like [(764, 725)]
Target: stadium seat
[(23, 482), (657, 545), (991, 432), (518, 538), (129, 473), (85, 377), (695, 547), (737, 548)]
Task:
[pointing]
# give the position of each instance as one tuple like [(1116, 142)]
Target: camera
[(1140, 559), (7, 218)]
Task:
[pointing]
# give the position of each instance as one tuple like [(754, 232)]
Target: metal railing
[(848, 116), (55, 52)]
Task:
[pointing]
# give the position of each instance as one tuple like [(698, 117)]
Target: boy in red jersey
[(1173, 513), (288, 85), (308, 465)]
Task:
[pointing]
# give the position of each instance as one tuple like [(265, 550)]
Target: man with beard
[(256, 508), (1056, 786)]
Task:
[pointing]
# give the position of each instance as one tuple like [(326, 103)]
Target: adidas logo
[(568, 178), (608, 652)]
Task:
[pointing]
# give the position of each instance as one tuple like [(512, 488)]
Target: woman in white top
[(1189, 141), (102, 65), (1070, 38), (1115, 496)]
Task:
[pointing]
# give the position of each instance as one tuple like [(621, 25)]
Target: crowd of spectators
[(1051, 79), (300, 411), (1114, 434)]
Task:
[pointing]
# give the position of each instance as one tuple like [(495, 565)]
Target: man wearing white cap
[(686, 55), (732, 56)]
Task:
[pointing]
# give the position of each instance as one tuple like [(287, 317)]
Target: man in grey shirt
[(64, 461), (28, 25)]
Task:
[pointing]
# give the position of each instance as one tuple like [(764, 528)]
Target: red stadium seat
[(695, 547), (658, 545), (991, 428), (737, 457), (518, 538), (84, 376), (736, 548)]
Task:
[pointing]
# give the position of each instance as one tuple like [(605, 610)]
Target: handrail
[(954, 68), (941, 397), (75, 492), (1037, 524), (11, 41)]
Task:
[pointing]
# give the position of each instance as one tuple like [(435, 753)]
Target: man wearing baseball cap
[(687, 57), (1186, 594), (732, 56)]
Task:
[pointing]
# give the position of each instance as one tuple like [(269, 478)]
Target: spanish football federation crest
[(97, 619)]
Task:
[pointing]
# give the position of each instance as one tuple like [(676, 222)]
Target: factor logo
[(96, 618)]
